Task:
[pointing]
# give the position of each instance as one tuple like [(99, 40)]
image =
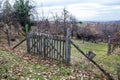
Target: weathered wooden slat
[(32, 43), (57, 48), (63, 51), (36, 46), (28, 42), (41, 45), (60, 50), (19, 43), (44, 47), (47, 54), (68, 53), (54, 47)]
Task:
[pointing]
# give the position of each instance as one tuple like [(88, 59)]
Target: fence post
[(68, 50), (8, 34), (109, 46), (27, 39)]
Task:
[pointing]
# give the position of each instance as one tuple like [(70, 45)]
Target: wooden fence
[(56, 48), (49, 46)]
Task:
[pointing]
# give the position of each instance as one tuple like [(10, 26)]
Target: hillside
[(13, 67)]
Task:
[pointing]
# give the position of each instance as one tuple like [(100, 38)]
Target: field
[(17, 64), (109, 62)]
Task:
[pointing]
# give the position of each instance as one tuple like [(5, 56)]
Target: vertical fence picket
[(63, 52), (44, 47), (36, 46), (42, 53), (47, 54), (57, 47), (28, 42), (39, 44), (60, 48), (52, 48), (32, 42), (35, 43)]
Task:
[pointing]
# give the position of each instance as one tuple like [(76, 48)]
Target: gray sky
[(85, 10)]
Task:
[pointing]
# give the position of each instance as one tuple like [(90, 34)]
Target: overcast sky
[(84, 10)]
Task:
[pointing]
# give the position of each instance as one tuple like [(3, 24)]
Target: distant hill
[(116, 22)]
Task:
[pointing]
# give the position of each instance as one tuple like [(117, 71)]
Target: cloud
[(48, 3), (111, 2), (83, 9)]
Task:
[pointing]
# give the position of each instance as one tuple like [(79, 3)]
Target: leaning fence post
[(68, 51), (109, 46), (27, 39)]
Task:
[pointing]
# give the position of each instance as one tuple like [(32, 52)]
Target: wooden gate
[(49, 46)]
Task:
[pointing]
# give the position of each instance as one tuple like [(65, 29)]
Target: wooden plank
[(63, 51), (47, 54), (27, 39), (68, 53), (28, 42), (109, 46), (54, 47), (57, 47), (19, 43), (60, 50), (38, 44), (44, 47), (8, 38), (37, 36), (50, 48), (32, 42), (8, 34), (41, 46)]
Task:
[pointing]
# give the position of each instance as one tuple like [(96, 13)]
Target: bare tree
[(7, 11), (1, 3), (73, 25), (65, 17)]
